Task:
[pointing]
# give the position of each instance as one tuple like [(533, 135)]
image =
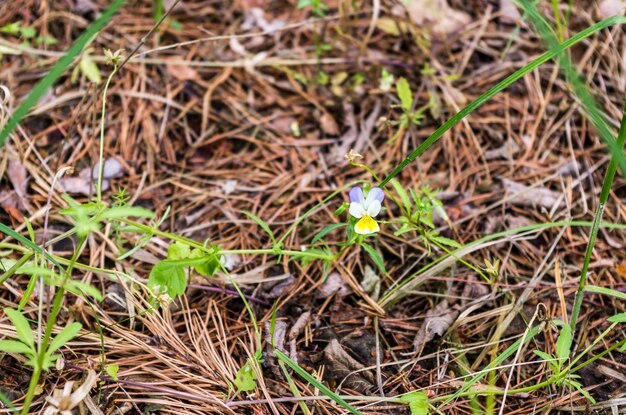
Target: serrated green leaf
[(64, 336), (378, 260), (327, 230), (169, 275), (405, 94), (22, 327), (261, 223), (13, 346), (89, 68)]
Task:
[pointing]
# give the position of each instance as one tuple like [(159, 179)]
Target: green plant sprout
[(556, 362), (28, 33), (409, 115)]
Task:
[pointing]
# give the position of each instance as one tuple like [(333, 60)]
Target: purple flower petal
[(356, 195), (375, 193)]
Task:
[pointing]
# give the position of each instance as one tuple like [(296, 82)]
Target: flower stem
[(597, 219), (101, 160), (52, 318)]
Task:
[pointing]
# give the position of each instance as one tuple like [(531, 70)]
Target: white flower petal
[(373, 208), (357, 210)]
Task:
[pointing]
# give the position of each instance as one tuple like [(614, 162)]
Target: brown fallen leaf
[(437, 321), (85, 182), (344, 369), (523, 195), (438, 15), (608, 8), (510, 13), (334, 284), (328, 124)]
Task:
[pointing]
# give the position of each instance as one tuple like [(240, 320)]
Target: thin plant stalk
[(52, 318), (101, 154), (597, 219)]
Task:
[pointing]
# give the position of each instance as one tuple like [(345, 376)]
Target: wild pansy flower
[(366, 209)]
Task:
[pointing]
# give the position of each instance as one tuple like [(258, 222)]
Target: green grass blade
[(58, 69), (27, 242), (545, 57), (390, 296), (605, 291), (332, 395), (494, 364)]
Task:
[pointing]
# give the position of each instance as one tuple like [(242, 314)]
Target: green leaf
[(618, 318), (303, 3), (261, 223), (544, 356), (404, 196), (445, 241), (13, 28), (563, 343), (13, 346), (319, 385), (112, 370), (417, 401), (81, 289), (67, 334), (327, 230), (22, 327), (28, 32), (178, 250), (46, 40), (582, 391), (89, 68), (605, 291), (245, 380), (123, 212), (378, 260), (344, 206), (405, 94), (170, 276), (209, 262)]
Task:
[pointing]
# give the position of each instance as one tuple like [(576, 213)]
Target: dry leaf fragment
[(509, 11), (507, 151), (345, 369), (334, 284), (328, 124), (523, 195), (608, 8), (63, 401), (438, 15), (437, 321)]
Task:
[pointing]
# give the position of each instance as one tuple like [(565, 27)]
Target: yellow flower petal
[(366, 225)]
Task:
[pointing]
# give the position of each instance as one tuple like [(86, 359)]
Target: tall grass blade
[(319, 385), (471, 107), (58, 69)]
